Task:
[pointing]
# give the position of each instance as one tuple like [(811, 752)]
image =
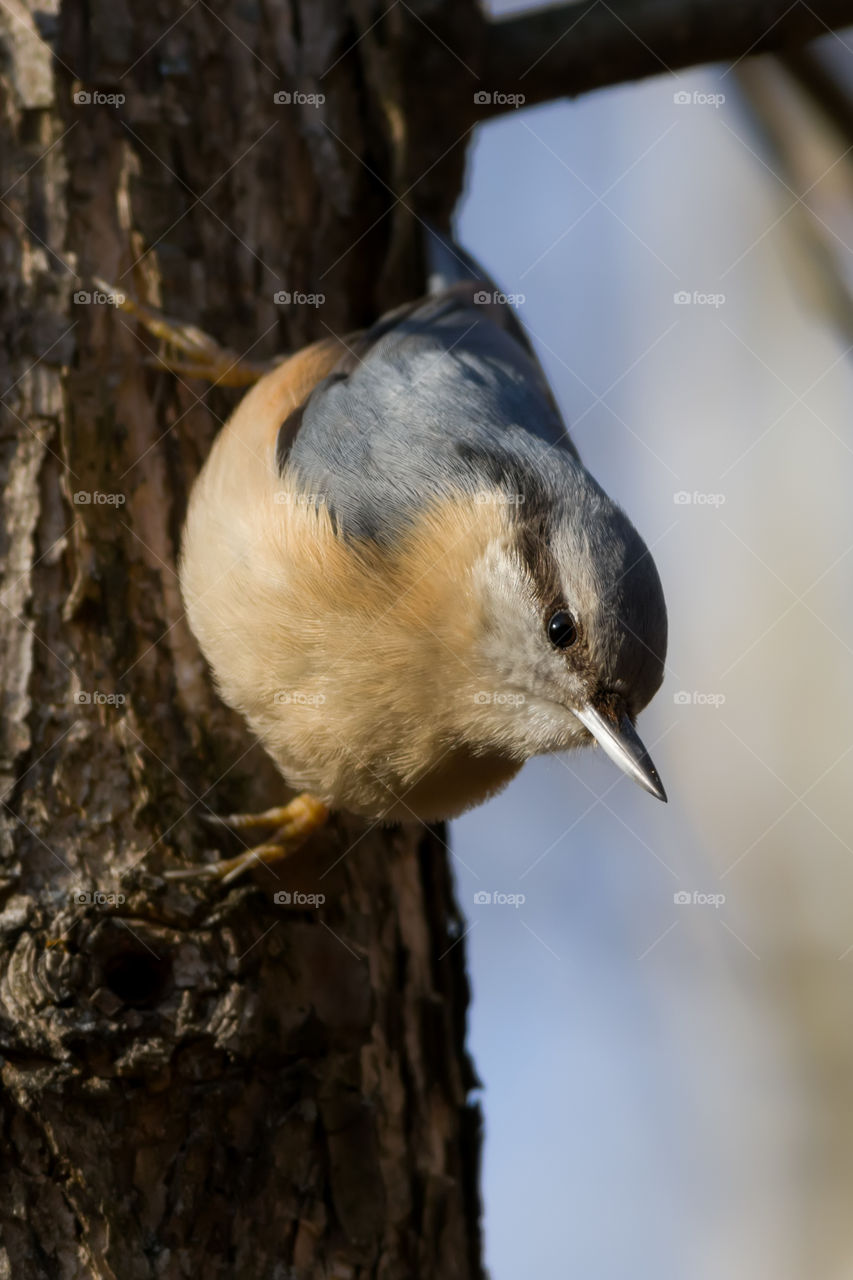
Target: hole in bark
[(137, 978)]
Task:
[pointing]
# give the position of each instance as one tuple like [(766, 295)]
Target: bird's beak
[(624, 747)]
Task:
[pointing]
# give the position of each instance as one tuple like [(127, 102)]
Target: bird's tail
[(451, 269), (449, 264)]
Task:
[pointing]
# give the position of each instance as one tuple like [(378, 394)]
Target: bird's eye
[(562, 630)]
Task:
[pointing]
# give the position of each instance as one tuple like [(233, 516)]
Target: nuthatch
[(402, 575)]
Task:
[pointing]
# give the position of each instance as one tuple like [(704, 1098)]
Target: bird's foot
[(290, 826), (200, 356)]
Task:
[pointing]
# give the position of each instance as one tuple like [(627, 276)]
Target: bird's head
[(570, 635)]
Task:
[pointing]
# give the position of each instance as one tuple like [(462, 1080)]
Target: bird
[(404, 578)]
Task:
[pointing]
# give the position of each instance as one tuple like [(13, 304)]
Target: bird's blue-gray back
[(444, 398)]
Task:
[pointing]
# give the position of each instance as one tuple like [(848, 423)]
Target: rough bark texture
[(218, 1085), (197, 1085)]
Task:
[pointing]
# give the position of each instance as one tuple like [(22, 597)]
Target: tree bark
[(217, 1083), (200, 1083)]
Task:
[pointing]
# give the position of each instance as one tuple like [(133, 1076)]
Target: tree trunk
[(202, 1083), (220, 1083)]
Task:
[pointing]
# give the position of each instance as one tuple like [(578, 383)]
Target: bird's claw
[(293, 823), (230, 869), (278, 816), (203, 358)]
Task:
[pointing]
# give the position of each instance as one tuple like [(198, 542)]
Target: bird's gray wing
[(441, 394)]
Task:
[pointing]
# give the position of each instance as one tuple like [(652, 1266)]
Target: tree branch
[(792, 141), (815, 77), (571, 49)]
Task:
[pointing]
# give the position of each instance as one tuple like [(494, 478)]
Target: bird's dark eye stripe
[(562, 629)]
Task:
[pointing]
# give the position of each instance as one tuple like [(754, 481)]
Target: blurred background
[(664, 1027)]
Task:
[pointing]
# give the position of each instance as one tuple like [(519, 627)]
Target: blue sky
[(645, 1111)]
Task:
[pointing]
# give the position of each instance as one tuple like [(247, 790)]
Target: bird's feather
[(440, 395)]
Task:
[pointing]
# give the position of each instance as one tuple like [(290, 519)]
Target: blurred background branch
[(819, 80), (566, 50), (802, 111)]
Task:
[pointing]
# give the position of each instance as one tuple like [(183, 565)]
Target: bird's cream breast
[(458, 781), (348, 661)]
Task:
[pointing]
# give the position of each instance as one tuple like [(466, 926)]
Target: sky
[(649, 1097)]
